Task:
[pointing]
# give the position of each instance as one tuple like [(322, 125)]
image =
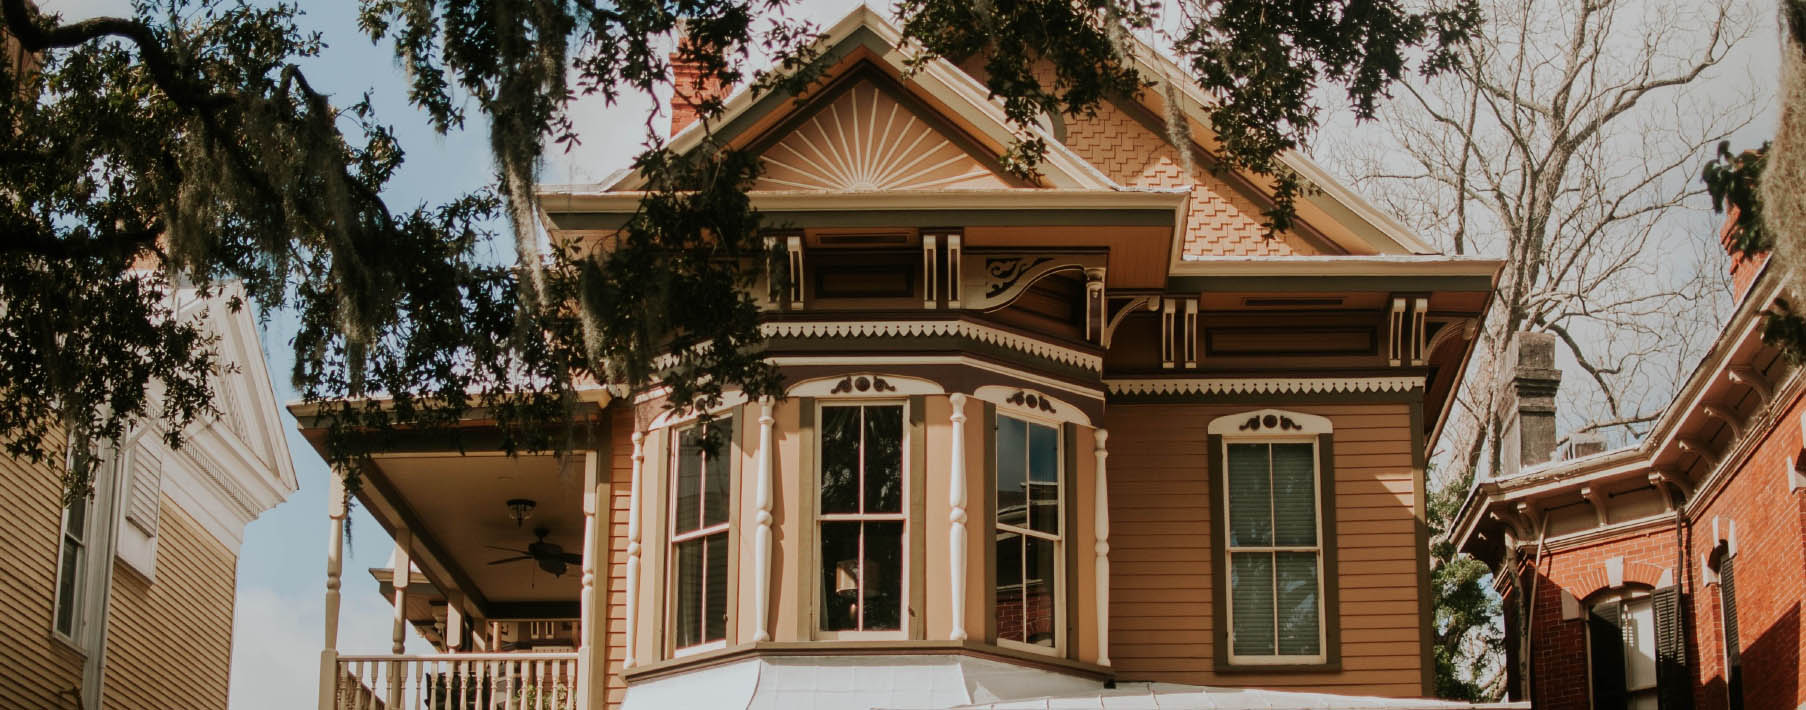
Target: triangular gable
[(864, 40), (867, 138)]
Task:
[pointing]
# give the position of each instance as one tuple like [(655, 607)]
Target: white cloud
[(278, 637)]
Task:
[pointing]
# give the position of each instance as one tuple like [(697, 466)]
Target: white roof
[(1173, 696)]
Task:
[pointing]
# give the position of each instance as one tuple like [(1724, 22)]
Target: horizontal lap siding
[(169, 642), (620, 470), (38, 671), (1161, 605)]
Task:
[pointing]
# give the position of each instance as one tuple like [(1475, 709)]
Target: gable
[(867, 138)]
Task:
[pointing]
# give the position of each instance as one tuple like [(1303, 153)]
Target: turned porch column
[(956, 518), (633, 548), (399, 633), (1101, 527), (590, 642), (762, 533), (335, 548)]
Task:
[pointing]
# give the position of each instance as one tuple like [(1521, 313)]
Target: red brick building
[(1668, 574)]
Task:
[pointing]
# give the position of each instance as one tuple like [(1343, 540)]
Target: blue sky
[(281, 574)]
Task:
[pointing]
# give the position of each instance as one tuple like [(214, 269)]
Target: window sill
[(1330, 666), (67, 644)]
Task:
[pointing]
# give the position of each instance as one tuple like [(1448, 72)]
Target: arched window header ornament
[(1268, 423), (1032, 401), (864, 384), (729, 400)]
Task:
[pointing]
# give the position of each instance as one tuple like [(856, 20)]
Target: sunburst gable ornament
[(865, 140)]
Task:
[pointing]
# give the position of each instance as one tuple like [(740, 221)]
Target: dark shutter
[(1605, 631), (1674, 681), (1727, 592)]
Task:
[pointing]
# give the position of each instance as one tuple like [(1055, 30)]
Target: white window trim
[(1303, 429), (673, 538), (78, 621), (1060, 572), (907, 574)]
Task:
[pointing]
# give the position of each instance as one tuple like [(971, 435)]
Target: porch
[(495, 565)]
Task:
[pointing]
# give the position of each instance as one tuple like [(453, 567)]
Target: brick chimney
[(1530, 433), (689, 87), (1744, 267)]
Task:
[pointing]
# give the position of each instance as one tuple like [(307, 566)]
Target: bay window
[(861, 518)]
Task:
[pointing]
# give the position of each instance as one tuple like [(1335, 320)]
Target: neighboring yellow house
[(126, 602), (1085, 440)]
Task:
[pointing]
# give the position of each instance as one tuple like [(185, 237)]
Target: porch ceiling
[(460, 505)]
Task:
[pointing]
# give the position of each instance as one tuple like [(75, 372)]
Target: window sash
[(1026, 533), (1273, 548), (708, 536), (72, 570), (864, 517)]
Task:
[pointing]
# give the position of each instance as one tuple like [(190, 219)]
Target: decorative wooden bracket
[(1598, 499), (1405, 331), (1700, 449), (1096, 305), (1748, 377), (1125, 307), (1729, 418), (1179, 332)]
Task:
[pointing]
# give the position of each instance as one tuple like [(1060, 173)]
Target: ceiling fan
[(550, 555)]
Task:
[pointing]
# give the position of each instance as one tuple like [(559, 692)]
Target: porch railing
[(458, 681)]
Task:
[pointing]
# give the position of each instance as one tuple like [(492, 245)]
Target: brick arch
[(1644, 573), (1594, 581), (1588, 584)]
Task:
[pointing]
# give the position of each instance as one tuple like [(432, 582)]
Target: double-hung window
[(1271, 480), (861, 519), (699, 536), (72, 571), (1028, 540)]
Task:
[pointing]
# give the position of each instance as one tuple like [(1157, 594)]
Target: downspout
[(1529, 660)]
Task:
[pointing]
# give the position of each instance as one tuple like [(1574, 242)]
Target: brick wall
[(1771, 577), (1559, 671)]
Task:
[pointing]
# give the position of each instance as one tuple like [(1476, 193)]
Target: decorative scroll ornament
[(1025, 398), (1001, 273), (862, 384), (1270, 422)]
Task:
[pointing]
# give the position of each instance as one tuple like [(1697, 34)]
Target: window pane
[(1044, 478), (1294, 495), (1038, 590), (883, 576), (689, 481), (840, 576), (1011, 611), (689, 593), (1251, 592), (1043, 453), (716, 472), (78, 519), (1012, 472), (715, 589), (67, 582), (1639, 644), (1250, 496), (1297, 572), (884, 459), (839, 460)]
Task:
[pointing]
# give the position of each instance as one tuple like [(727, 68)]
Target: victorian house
[(1074, 439), (1668, 574)]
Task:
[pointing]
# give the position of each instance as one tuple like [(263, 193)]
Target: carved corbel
[(1661, 485), (1700, 449), (1598, 499), (1729, 418), (1095, 305), (1748, 377)]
